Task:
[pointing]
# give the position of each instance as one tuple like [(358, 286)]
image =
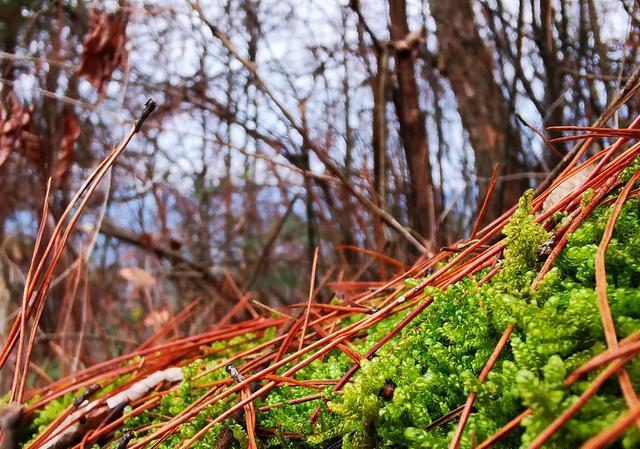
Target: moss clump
[(524, 237), (44, 416), (436, 362)]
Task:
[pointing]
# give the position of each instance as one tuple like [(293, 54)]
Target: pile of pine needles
[(310, 330)]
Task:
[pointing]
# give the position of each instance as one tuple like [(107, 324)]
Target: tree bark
[(422, 200), (467, 63), (379, 138), (543, 37)]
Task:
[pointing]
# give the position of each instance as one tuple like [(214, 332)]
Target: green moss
[(558, 328), (523, 240), (44, 416)]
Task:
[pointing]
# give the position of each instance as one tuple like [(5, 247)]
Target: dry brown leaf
[(4, 154), (16, 133), (137, 276), (156, 318), (104, 49), (410, 41), (65, 156)]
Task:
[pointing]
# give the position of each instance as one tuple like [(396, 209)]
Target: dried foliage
[(70, 134), (103, 49), (17, 133)]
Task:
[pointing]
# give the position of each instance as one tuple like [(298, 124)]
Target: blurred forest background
[(363, 128)]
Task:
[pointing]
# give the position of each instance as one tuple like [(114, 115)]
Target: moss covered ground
[(398, 398)]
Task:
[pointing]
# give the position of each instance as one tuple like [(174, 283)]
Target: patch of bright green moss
[(436, 363)]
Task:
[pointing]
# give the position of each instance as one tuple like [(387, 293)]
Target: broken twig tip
[(234, 373), (149, 107), (124, 440)]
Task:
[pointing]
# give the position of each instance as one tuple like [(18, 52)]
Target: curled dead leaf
[(137, 276), (156, 318), (17, 133), (410, 41), (104, 49), (65, 156)]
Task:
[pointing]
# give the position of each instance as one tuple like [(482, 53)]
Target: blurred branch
[(66, 99), (108, 228), (355, 6), (14, 57), (267, 247)]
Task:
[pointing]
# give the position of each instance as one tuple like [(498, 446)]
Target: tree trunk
[(379, 138), (467, 63), (543, 36), (422, 200)]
